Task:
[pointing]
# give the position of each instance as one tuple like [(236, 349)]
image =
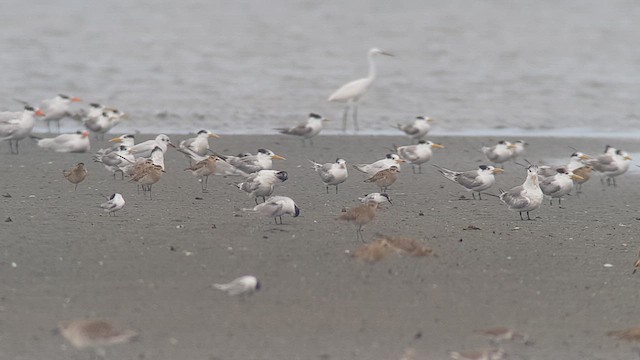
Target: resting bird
[(332, 173), (76, 174), (276, 206), (307, 130), (66, 143), (115, 203), (249, 164), (418, 129), (383, 164), (526, 197), (202, 169), (244, 285), (384, 178), (558, 185), (57, 109), (144, 149), (499, 153), (472, 180)]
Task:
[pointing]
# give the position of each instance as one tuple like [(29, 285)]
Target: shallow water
[(249, 66)]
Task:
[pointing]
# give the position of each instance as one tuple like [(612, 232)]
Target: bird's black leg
[(559, 201), (76, 188), (528, 218), (336, 189), (474, 195), (521, 216), (256, 200), (280, 220), (327, 189), (264, 199), (275, 219), (614, 182)]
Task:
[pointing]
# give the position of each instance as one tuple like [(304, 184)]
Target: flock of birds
[(144, 164)]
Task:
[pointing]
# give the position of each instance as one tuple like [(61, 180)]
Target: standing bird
[(144, 149), (202, 169), (66, 143), (115, 203), (262, 183), (526, 197), (360, 215), (559, 185), (332, 173), (15, 126), (383, 164), (418, 154), (612, 163), (307, 130), (244, 285), (76, 174), (418, 129), (147, 176), (473, 180), (57, 109), (276, 206), (351, 92), (499, 153), (198, 144), (115, 161), (247, 163), (104, 122), (385, 178)]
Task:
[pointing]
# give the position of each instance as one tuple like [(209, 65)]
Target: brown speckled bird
[(202, 169), (76, 174), (385, 178), (360, 215)]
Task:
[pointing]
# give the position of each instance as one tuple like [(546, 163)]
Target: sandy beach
[(152, 267)]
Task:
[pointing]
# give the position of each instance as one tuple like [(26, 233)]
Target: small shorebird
[(351, 92), (15, 126), (359, 216), (148, 175), (377, 197), (383, 164), (630, 334), (526, 197), (418, 129), (262, 183), (276, 206), (332, 173), (57, 109), (202, 169), (244, 285), (306, 131), (384, 178), (198, 144), (499, 153), (418, 154), (66, 143), (145, 148), (94, 334), (473, 180), (115, 203), (247, 163), (559, 185), (484, 354), (76, 174)]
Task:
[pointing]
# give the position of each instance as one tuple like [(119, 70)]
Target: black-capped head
[(389, 156), (112, 197), (296, 211), (561, 170), (483, 167), (502, 142), (263, 151), (66, 97), (282, 175), (420, 117), (29, 108), (618, 152), (129, 136), (78, 132), (575, 154), (104, 113), (94, 105), (422, 142), (203, 132), (315, 116)]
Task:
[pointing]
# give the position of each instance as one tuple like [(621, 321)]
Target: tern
[(418, 129), (332, 173), (473, 180), (383, 164), (198, 144), (526, 197), (418, 154), (308, 130), (276, 206), (15, 126)]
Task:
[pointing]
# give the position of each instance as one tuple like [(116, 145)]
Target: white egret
[(351, 92)]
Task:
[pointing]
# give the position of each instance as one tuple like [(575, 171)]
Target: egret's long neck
[(372, 68)]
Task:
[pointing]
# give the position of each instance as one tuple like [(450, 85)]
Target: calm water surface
[(484, 66)]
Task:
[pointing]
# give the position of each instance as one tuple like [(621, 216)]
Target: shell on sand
[(630, 334), (94, 333)]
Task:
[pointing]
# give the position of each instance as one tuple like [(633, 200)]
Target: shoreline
[(152, 267)]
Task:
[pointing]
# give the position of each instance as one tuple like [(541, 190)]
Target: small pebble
[(607, 265), (8, 219)]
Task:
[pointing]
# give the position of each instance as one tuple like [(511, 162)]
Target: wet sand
[(152, 267)]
